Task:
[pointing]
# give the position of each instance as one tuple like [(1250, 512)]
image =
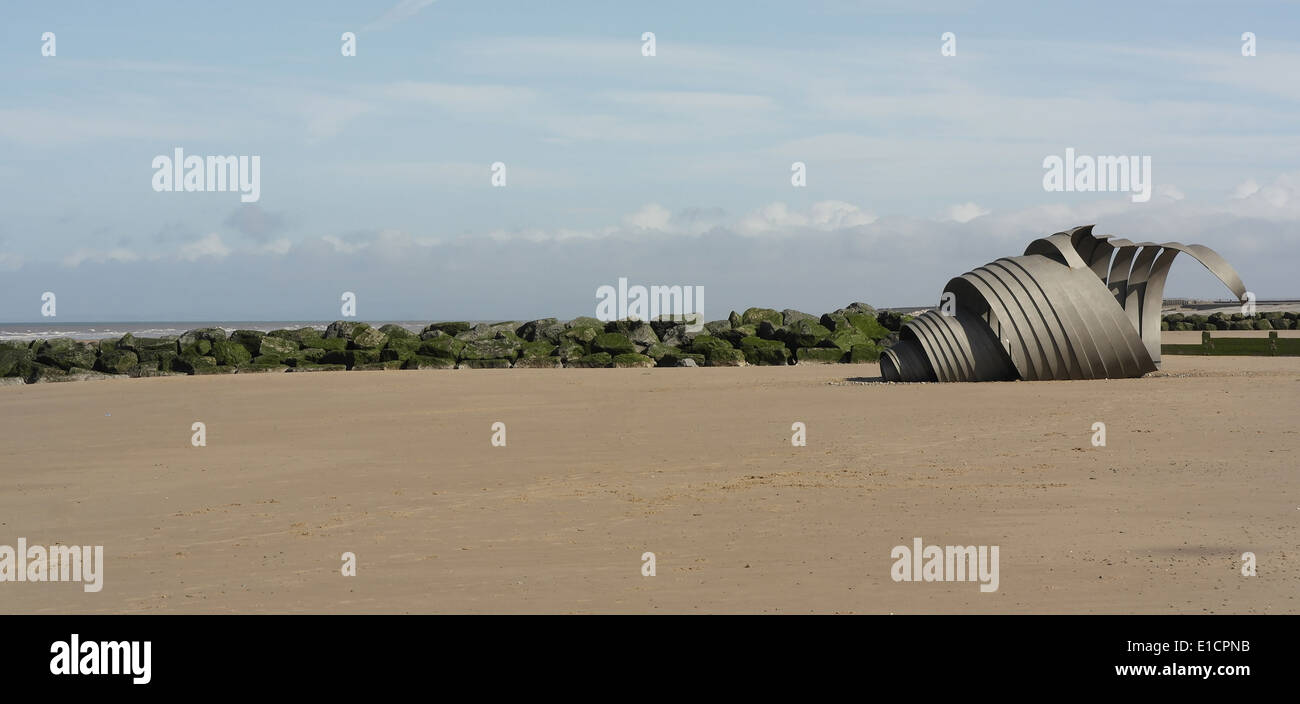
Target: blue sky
[(672, 169)]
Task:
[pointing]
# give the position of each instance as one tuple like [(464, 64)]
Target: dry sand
[(695, 465)]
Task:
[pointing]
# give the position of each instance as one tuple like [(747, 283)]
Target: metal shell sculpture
[(1074, 306)]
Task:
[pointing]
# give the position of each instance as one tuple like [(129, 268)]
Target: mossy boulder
[(488, 331), (44, 374), (333, 343), (539, 348), (319, 368), (835, 322), (641, 333), (158, 359), (613, 343), (209, 334), (419, 361), (1263, 325), (675, 358), (766, 352), (345, 329), (717, 327), (141, 371), (583, 330), (299, 335), (15, 360), (485, 363), (199, 348), (494, 348), (734, 320), (633, 361), (768, 331), (546, 329), (867, 325), (336, 357), (754, 316), (116, 361), (804, 333), (658, 350), (274, 359), (453, 328), (361, 356), (891, 320), (230, 353), (729, 357), (789, 315), (397, 332), (147, 344), (194, 364), (735, 335), (845, 339), (857, 307), (865, 352), (367, 338), (708, 345), (599, 359), (819, 355), (125, 342), (66, 354), (280, 346), (251, 340), (677, 336), (441, 345), (569, 350), (538, 363), (400, 348)]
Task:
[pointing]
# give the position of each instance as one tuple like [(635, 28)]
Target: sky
[(672, 169)]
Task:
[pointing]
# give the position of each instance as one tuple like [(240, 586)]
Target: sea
[(99, 331)]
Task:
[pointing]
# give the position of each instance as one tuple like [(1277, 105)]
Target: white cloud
[(90, 255), (965, 212), (1246, 189), (344, 247), (650, 217), (1277, 200), (280, 246), (778, 218), (1170, 191), (210, 246)]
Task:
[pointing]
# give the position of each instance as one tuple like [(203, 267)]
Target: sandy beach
[(694, 465)]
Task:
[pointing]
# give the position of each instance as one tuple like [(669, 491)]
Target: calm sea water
[(99, 331)]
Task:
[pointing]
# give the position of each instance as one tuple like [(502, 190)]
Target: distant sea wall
[(763, 336)]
